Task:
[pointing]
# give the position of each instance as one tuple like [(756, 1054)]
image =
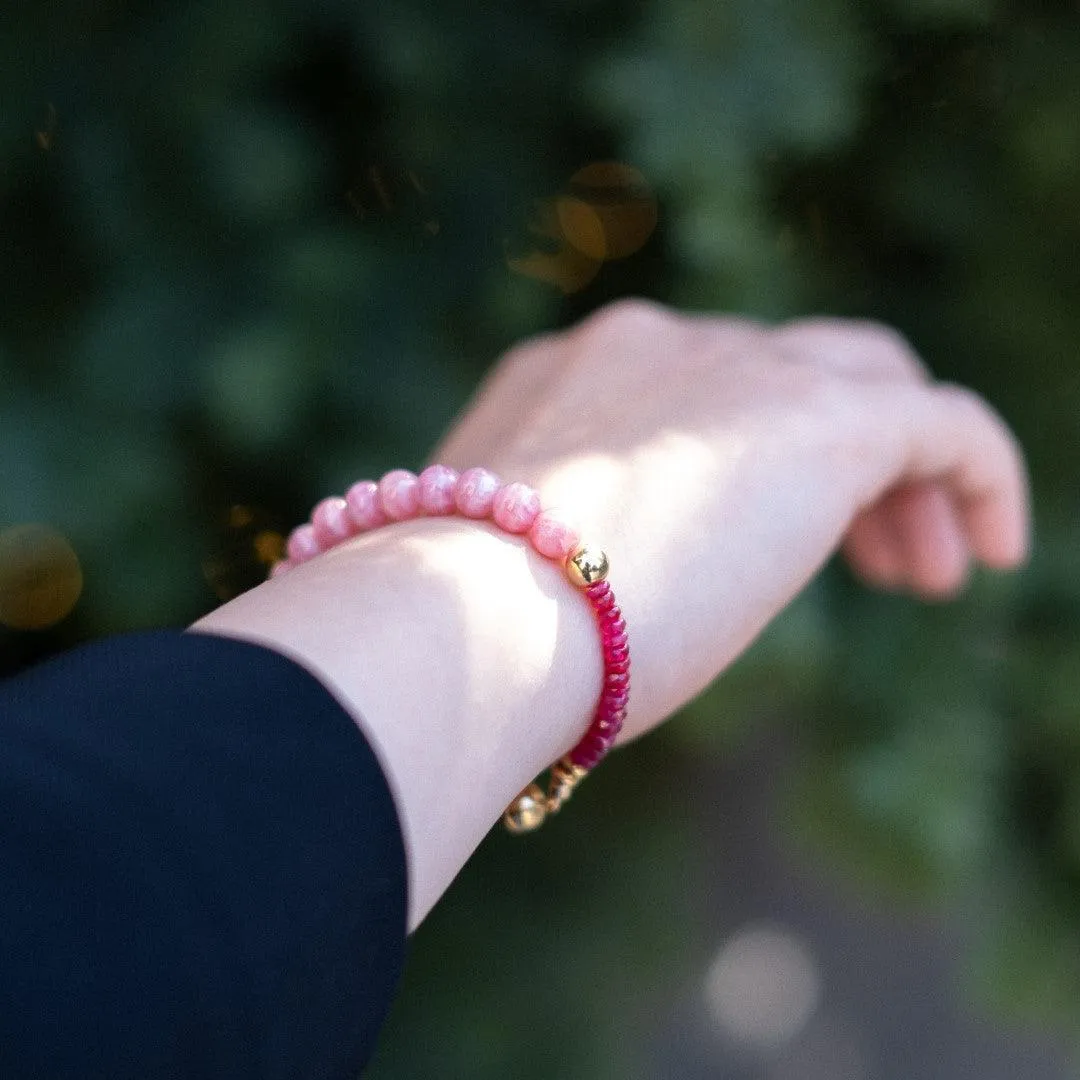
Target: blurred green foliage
[(249, 252)]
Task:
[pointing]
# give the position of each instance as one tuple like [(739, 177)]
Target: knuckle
[(629, 314)]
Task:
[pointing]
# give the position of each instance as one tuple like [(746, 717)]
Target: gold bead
[(587, 565), (527, 811), (565, 776)]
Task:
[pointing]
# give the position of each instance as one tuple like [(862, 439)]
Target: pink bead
[(616, 681), (515, 507), (616, 655), (598, 589), (331, 521), (476, 492), (616, 667), (552, 537), (302, 544), (399, 494), (437, 489), (612, 616), (282, 566), (604, 604), (365, 507)]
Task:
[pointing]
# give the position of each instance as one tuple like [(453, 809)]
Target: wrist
[(468, 660)]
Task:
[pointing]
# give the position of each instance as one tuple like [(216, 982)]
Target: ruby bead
[(615, 700), (618, 667), (598, 589), (616, 655), (616, 681), (585, 758), (605, 604), (615, 640), (610, 719)]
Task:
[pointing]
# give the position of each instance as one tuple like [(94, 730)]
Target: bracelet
[(478, 494)]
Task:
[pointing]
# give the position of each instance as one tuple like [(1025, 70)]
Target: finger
[(861, 349), (873, 550), (929, 537), (955, 438)]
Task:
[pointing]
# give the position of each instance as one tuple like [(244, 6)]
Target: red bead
[(616, 667), (615, 700), (598, 590), (585, 758), (604, 604), (610, 721)]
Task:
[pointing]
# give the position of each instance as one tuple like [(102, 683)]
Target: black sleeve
[(201, 869)]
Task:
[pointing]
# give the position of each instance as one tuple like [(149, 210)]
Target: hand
[(720, 463)]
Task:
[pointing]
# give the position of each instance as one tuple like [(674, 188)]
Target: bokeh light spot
[(40, 577), (622, 203), (556, 262), (607, 211), (249, 543), (581, 226), (269, 546), (762, 987)]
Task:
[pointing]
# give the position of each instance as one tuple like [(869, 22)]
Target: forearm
[(468, 660)]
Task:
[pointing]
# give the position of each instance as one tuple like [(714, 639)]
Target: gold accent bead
[(587, 565), (565, 776), (527, 811)]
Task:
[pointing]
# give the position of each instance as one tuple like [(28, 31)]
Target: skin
[(720, 463)]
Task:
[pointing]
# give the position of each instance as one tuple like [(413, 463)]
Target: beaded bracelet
[(478, 494)]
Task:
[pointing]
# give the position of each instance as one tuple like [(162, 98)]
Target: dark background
[(250, 252)]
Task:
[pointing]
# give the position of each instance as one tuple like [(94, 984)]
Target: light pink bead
[(552, 537), (399, 493), (437, 489), (475, 492), (515, 507), (331, 521), (365, 507), (302, 544)]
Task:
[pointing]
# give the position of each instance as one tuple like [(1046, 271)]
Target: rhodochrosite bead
[(476, 492), (399, 493), (515, 508)]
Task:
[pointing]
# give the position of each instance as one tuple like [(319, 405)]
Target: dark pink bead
[(613, 626), (584, 757), (610, 721), (615, 656), (614, 702), (598, 590), (617, 667), (616, 680), (604, 603), (596, 743), (613, 614), (613, 639)]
